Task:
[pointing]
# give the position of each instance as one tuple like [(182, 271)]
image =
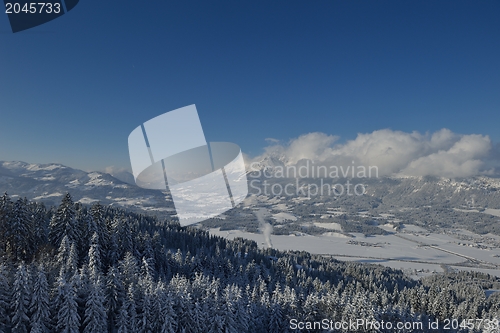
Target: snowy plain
[(414, 251)]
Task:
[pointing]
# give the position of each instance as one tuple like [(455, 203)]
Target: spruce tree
[(98, 225), (131, 307), (115, 295), (19, 232), (20, 300), (5, 218), (168, 317), (95, 265), (63, 222), (66, 307), (67, 257), (39, 305), (275, 319), (129, 269), (122, 321), (38, 213), (95, 320), (5, 297)]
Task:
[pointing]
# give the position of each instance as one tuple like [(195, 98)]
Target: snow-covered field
[(414, 269), (424, 252), (494, 212), (282, 216), (450, 244), (412, 228), (382, 247), (330, 226)]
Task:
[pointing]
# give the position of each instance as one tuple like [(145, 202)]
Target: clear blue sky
[(73, 89)]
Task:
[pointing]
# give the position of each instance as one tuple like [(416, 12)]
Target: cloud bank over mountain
[(120, 173), (395, 153)]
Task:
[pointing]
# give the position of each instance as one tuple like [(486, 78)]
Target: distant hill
[(48, 183), (421, 200)]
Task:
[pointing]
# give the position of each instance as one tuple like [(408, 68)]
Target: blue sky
[(73, 89)]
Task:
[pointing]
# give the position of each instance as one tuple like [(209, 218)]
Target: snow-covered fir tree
[(67, 319), (63, 222), (107, 270), (40, 302), (20, 300)]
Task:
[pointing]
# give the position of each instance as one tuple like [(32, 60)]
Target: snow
[(31, 167), (494, 212), (494, 272), (419, 251), (281, 206), (158, 209), (387, 227), (45, 196), (250, 201), (480, 254), (134, 201), (50, 167), (281, 217), (5, 179), (96, 180), (87, 201), (466, 232), (412, 228), (330, 226), (392, 247), (73, 184), (426, 269), (300, 199), (336, 213), (334, 234), (466, 210), (271, 201), (46, 178)]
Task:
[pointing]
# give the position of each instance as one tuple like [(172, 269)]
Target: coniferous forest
[(93, 269)]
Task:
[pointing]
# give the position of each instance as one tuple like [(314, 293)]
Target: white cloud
[(120, 173), (272, 140), (465, 158), (311, 146), (442, 153)]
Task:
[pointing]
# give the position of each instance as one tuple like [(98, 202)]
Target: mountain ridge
[(47, 183)]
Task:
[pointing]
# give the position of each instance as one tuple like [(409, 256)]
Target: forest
[(95, 268)]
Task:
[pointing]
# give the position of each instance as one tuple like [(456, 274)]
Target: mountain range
[(417, 198), (48, 183)]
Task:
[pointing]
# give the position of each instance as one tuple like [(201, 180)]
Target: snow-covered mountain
[(269, 162), (49, 182)]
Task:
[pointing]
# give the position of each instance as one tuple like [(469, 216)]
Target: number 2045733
[(33, 8)]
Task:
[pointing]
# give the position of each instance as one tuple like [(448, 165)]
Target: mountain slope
[(428, 200), (47, 183)]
